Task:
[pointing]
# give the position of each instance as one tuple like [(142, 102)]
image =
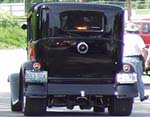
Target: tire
[(14, 78), (16, 107), (35, 106), (97, 109), (120, 107)]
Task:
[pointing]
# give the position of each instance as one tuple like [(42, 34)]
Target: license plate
[(37, 77), (126, 77)]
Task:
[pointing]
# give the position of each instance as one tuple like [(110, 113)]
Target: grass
[(12, 37)]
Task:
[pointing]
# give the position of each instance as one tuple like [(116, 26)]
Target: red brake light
[(81, 27), (31, 53)]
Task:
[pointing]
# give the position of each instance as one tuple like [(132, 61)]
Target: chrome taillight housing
[(126, 67), (36, 66)]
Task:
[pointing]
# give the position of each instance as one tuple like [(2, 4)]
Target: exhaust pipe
[(83, 101)]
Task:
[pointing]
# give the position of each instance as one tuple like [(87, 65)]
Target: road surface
[(140, 109)]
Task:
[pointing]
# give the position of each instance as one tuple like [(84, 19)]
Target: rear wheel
[(35, 106), (121, 106), (16, 107), (15, 92)]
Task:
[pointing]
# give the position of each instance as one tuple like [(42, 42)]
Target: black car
[(74, 59)]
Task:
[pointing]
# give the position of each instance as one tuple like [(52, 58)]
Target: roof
[(79, 4)]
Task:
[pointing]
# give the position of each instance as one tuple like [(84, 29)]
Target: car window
[(146, 28), (82, 21)]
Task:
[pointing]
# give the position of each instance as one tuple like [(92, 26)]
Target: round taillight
[(36, 66), (126, 68), (31, 53)]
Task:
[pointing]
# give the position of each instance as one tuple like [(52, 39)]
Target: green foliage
[(147, 6), (8, 21), (140, 5), (12, 37), (11, 34)]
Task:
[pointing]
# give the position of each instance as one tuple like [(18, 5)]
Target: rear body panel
[(65, 61), (81, 48), (80, 45), (59, 50)]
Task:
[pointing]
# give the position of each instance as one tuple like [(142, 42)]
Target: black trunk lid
[(79, 57)]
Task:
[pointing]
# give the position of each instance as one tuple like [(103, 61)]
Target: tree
[(128, 4)]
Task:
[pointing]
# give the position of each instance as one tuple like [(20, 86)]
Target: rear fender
[(16, 83), (128, 89), (20, 80), (14, 87), (26, 66)]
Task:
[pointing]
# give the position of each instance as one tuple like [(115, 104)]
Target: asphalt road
[(10, 61), (140, 109)]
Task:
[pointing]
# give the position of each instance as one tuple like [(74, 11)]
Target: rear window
[(82, 21)]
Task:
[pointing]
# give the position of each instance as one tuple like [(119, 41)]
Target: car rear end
[(77, 58), (82, 49)]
